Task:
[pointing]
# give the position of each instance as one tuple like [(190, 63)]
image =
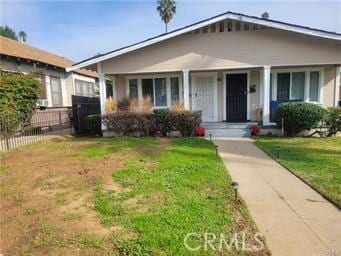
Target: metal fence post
[(60, 122)]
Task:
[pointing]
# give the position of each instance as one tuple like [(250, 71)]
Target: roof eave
[(232, 16)]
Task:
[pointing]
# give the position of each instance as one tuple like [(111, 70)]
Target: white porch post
[(186, 87), (266, 95), (102, 90), (337, 86), (114, 88)]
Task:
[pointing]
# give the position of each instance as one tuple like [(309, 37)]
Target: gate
[(81, 108)]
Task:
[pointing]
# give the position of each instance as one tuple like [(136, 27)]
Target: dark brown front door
[(236, 97)]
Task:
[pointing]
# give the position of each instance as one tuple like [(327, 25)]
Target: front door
[(204, 96), (236, 97)]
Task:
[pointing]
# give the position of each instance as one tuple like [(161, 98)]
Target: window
[(147, 88), (314, 86), (229, 26), (133, 88), (175, 92), (84, 88), (246, 27), (56, 91), (204, 30), (297, 86), (213, 28), (109, 89), (237, 26), (221, 26), (160, 92), (283, 87)]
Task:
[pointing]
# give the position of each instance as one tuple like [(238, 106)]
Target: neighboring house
[(233, 67), (57, 85)]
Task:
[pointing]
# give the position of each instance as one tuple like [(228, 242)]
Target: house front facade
[(57, 85), (232, 67)]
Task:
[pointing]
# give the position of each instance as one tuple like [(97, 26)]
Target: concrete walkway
[(294, 218)]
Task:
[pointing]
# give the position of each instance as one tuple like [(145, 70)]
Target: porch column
[(186, 87), (337, 86), (266, 95), (102, 90), (114, 88)]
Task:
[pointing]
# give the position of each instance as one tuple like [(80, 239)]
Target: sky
[(82, 29)]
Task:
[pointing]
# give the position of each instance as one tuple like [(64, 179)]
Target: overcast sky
[(81, 29)]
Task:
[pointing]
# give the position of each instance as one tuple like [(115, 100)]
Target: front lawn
[(120, 196), (316, 160)]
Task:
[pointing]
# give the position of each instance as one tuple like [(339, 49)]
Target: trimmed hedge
[(298, 116), (150, 123), (333, 120)]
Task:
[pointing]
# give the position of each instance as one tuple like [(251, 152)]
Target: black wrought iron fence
[(19, 130)]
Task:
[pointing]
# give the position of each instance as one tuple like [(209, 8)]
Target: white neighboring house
[(57, 85)]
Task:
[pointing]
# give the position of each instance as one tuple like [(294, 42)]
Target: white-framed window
[(163, 89), (301, 84), (84, 88), (56, 91)]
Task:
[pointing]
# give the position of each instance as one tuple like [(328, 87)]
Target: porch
[(228, 95)]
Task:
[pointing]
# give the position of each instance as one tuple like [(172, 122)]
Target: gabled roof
[(16, 49), (206, 22)]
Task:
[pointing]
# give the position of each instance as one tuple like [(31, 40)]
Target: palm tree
[(22, 36), (166, 9)]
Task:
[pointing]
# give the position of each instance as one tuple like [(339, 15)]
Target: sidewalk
[(294, 218)]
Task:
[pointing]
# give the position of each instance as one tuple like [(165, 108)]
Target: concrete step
[(224, 125), (231, 132)]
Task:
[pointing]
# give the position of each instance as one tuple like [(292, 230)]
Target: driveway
[(294, 218)]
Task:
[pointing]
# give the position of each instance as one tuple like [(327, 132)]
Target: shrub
[(186, 122), (123, 105), (148, 123), (18, 93), (333, 120), (32, 130), (110, 105), (93, 124), (126, 123), (298, 116), (163, 122)]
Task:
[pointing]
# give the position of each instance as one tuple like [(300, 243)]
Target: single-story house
[(57, 85), (233, 67)]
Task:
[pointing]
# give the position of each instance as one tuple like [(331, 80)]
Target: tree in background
[(22, 36), (166, 9), (8, 32), (265, 15)]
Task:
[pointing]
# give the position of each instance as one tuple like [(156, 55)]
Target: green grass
[(316, 160), (168, 191)]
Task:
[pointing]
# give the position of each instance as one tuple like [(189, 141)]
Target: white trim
[(266, 97), (231, 16), (185, 75), (337, 86), (248, 107), (215, 90), (154, 76)]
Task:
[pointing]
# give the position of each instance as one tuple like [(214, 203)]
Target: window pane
[(56, 91), (78, 87), (85, 89), (297, 86), (175, 89), (133, 88), (314, 86), (160, 92), (147, 88), (283, 86)]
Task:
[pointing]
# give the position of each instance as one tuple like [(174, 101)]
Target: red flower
[(254, 130), (200, 131)]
